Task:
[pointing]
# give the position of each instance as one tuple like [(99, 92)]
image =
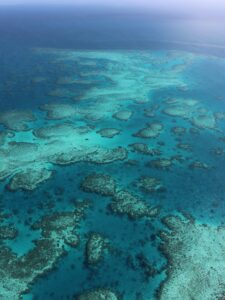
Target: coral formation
[(60, 130), (100, 184), (124, 203), (7, 232), (16, 120), (29, 179), (98, 294), (206, 120), (178, 130), (144, 149), (17, 273), (196, 260), (152, 131), (182, 146), (199, 165), (57, 111), (95, 155), (150, 184), (94, 248), (123, 115), (108, 132), (163, 163)]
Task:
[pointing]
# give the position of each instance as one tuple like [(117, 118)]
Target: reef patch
[(196, 260)]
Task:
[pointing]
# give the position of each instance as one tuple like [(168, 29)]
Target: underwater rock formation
[(196, 260), (94, 248)]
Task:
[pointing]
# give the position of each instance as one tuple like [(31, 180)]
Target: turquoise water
[(72, 111)]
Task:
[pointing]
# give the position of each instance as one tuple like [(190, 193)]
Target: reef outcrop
[(17, 273), (123, 115), (100, 184), (153, 130), (123, 202), (17, 120), (29, 179), (59, 111), (109, 132), (150, 184), (196, 260), (94, 248), (98, 294)]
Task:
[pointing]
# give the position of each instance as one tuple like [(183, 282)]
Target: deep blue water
[(25, 31)]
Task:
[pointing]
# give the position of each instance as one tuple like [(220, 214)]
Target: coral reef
[(190, 110), (199, 165), (17, 273), (178, 130), (29, 179), (124, 203), (95, 155), (150, 184), (163, 163), (57, 111), (177, 111), (100, 184), (94, 248), (152, 131), (4, 135), (206, 120), (144, 149), (123, 115), (7, 232), (182, 146), (98, 294), (196, 260), (60, 130), (109, 132), (16, 120)]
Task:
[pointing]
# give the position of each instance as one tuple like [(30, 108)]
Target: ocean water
[(94, 103)]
